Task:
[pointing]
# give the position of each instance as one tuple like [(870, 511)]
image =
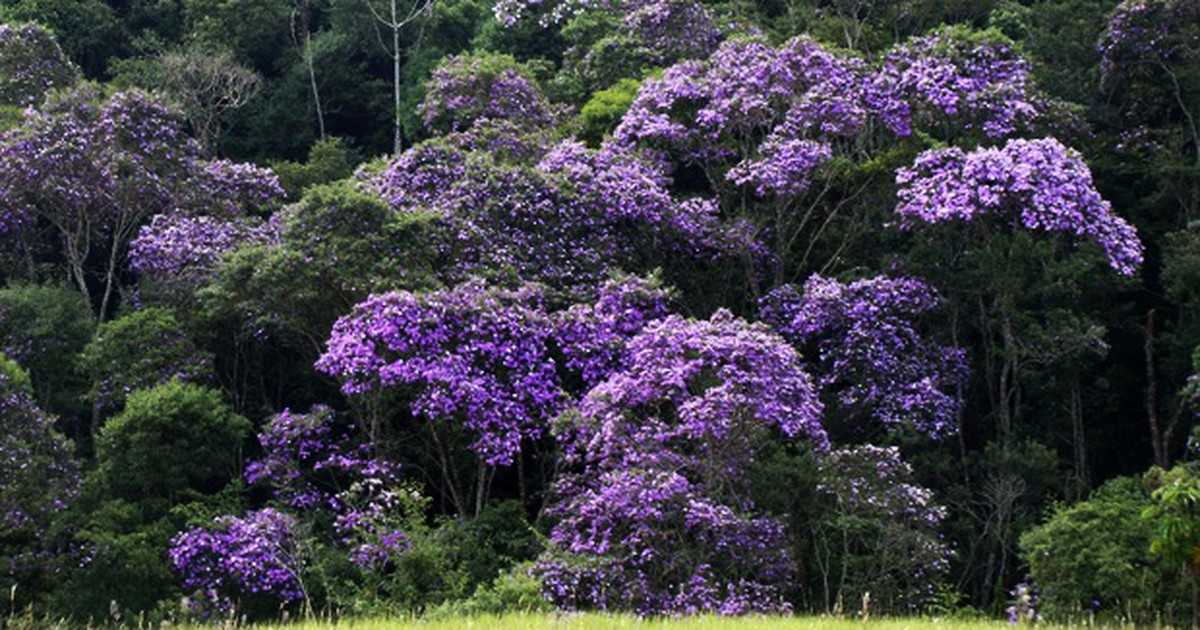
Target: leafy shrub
[(1095, 557)]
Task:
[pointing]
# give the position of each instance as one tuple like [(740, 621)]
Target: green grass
[(593, 621)]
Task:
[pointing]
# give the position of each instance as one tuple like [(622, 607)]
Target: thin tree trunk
[(1160, 455), (1083, 480)]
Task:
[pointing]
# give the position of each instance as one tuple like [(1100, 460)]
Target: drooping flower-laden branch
[(1036, 185)]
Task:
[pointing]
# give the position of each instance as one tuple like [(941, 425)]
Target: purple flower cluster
[(1037, 185), (472, 355), (564, 221), (234, 189), (31, 64), (258, 554), (653, 542), (978, 83), (873, 487), (98, 168), (175, 246), (657, 517), (468, 88), (1144, 33), (668, 29), (38, 477), (799, 96), (486, 357), (864, 343), (874, 479), (311, 463)]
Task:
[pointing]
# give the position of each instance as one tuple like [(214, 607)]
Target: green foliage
[(328, 161), (1094, 557), (120, 554), (1175, 516), (43, 327), (339, 245), (138, 351), (258, 31), (88, 30), (448, 567), (171, 441), (14, 376), (600, 115), (515, 591)]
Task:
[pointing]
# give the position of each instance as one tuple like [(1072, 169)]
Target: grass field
[(601, 622)]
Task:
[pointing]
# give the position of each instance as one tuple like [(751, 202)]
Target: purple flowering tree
[(31, 64), (1148, 52), (38, 479), (863, 341), (174, 247), (483, 361), (560, 214), (668, 30), (471, 87), (311, 462), (259, 554), (96, 169), (955, 78), (1001, 229), (655, 516), (879, 534), (37, 475)]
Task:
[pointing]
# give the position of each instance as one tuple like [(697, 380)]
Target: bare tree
[(303, 11), (205, 84), (395, 17)]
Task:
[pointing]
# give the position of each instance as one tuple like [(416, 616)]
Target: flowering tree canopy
[(96, 169), (1144, 34), (1037, 185), (657, 518), (566, 220), (468, 88), (798, 96), (979, 82), (31, 64), (862, 340), (178, 247), (482, 356), (886, 520), (37, 475), (311, 462), (670, 29), (258, 554)]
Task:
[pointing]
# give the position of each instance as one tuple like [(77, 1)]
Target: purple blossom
[(565, 220), (260, 553), (1143, 34), (880, 515), (1037, 185), (656, 518), (976, 82), (468, 88), (863, 340), (312, 463), (174, 247), (31, 64), (799, 96), (38, 478), (486, 357)]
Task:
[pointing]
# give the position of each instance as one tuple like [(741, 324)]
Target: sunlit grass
[(594, 621)]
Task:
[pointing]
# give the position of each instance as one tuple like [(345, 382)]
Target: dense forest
[(361, 307)]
